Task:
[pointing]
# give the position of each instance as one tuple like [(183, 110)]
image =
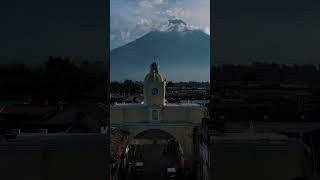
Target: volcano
[(182, 55)]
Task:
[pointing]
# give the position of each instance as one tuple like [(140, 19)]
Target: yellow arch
[(183, 135)]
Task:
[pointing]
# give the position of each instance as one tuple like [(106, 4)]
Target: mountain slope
[(179, 53)]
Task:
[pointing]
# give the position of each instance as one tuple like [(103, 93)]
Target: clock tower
[(154, 115), (154, 87)]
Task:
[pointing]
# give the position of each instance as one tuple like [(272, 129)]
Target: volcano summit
[(182, 53)]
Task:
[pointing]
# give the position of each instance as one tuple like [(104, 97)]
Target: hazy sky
[(131, 19), (286, 29), (38, 28)]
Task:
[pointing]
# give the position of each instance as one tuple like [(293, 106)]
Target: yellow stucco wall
[(158, 99), (176, 119), (186, 117), (184, 135), (167, 115), (116, 116), (139, 115)]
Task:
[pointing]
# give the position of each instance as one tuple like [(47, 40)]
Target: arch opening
[(154, 134), (156, 145)]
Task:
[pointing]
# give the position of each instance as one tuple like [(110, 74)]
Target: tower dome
[(154, 74)]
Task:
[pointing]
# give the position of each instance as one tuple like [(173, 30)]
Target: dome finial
[(154, 66)]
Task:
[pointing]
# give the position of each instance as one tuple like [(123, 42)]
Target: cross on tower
[(154, 66)]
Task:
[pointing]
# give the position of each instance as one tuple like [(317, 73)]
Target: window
[(155, 115), (155, 91)]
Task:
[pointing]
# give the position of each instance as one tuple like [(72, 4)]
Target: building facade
[(154, 112), (253, 155), (54, 156)]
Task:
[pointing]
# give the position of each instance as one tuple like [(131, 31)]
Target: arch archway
[(154, 134), (157, 145), (183, 135)]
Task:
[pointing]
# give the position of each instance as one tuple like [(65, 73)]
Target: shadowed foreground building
[(41, 141), (263, 152), (54, 118), (54, 156)]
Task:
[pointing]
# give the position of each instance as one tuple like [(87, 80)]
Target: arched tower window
[(155, 115)]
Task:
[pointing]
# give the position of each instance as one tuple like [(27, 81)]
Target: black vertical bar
[(107, 54), (212, 35)]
